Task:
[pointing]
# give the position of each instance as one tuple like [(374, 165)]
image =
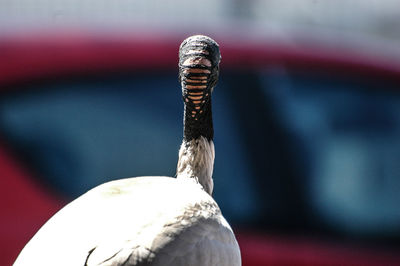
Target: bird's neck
[(197, 123), (199, 59), (196, 161), (196, 155)]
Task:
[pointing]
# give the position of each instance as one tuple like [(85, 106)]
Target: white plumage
[(136, 221), (196, 160), (150, 220)]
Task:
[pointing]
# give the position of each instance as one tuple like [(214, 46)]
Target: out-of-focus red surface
[(26, 205), (263, 249), (35, 58)]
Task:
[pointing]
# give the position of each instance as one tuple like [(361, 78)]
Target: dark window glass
[(294, 151)]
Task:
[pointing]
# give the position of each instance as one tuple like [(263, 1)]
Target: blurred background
[(306, 117)]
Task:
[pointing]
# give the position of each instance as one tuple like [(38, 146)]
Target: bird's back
[(136, 221)]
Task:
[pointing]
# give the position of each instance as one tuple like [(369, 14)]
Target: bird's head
[(199, 59)]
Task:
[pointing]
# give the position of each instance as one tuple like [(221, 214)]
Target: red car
[(307, 138)]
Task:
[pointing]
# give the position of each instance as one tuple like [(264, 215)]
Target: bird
[(152, 220)]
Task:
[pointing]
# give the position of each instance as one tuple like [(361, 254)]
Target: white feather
[(196, 161)]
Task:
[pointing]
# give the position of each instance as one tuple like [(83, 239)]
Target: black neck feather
[(203, 126)]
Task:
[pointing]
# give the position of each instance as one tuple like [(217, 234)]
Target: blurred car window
[(79, 134), (349, 133), (295, 150)]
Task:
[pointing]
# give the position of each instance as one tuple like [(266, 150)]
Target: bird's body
[(151, 220)]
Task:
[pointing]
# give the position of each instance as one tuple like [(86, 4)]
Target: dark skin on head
[(199, 59)]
